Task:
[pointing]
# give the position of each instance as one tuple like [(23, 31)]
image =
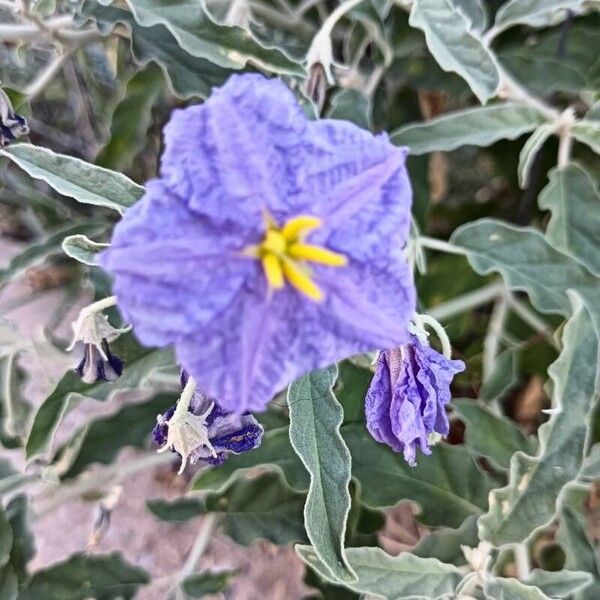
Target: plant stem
[(494, 332), (440, 245), (467, 301), (207, 528), (535, 322)]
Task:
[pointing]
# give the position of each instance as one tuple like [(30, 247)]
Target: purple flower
[(406, 401), (270, 246), (220, 433), (12, 125), (98, 364)]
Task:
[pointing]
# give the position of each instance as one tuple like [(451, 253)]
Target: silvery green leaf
[(23, 548), (481, 126), (574, 200), (274, 453), (81, 576), (580, 554), (75, 178), (455, 45), (588, 132), (445, 543), (37, 251), (352, 105), (264, 507), (15, 408), (526, 261), (503, 377), (315, 420), (200, 36), (200, 584), (558, 584), (491, 435), (178, 510), (536, 13), (391, 577), (475, 12), (591, 465), (446, 495), (529, 501), (593, 113), (511, 589), (530, 149), (81, 248), (6, 538), (139, 364)]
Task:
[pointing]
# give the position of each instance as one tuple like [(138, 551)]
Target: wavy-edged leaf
[(455, 45), (490, 435), (498, 588), (392, 577), (139, 364), (103, 577), (230, 47), (178, 510), (274, 453), (536, 13), (75, 178), (447, 495), (573, 198), (558, 584), (526, 261), (475, 12), (481, 126), (530, 149), (82, 249), (315, 420), (261, 508), (529, 501), (103, 438)]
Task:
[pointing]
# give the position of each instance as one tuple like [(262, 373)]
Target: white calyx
[(187, 431)]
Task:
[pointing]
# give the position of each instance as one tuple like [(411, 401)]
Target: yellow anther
[(317, 254), (274, 242), (300, 226), (273, 271), (301, 280)]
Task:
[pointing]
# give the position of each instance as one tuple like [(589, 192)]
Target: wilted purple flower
[(270, 246), (405, 404), (12, 125), (216, 434)]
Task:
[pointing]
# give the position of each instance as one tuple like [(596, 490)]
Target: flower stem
[(440, 245), (99, 306), (467, 301), (424, 319)]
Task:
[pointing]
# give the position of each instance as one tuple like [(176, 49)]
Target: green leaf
[(511, 589), (529, 501), (573, 198), (139, 364), (37, 252), (580, 554), (274, 453), (391, 577), (178, 510), (105, 437), (15, 409), (447, 495), (102, 577), (352, 105), (261, 508), (530, 149), (351, 390), (200, 36), (81, 248), (475, 12), (6, 538), (200, 584), (503, 377), (481, 126), (9, 586), (76, 178), (131, 119), (455, 45), (536, 13), (23, 548), (491, 435), (445, 543), (558, 584), (188, 75), (525, 260), (588, 132), (315, 420)]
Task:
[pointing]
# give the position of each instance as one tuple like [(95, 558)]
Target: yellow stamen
[(301, 280), (274, 242), (273, 271), (300, 226), (317, 254)]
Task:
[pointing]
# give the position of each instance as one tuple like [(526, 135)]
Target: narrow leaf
[(315, 419), (391, 577), (81, 248), (455, 45), (76, 178), (481, 126)]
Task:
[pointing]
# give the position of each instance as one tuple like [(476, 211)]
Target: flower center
[(285, 257)]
